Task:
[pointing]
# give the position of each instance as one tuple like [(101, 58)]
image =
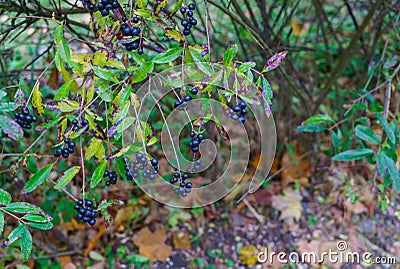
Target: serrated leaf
[(105, 74), (37, 218), (41, 226), (366, 134), (5, 197), (386, 127), (98, 174), (38, 178), (230, 54), (26, 244), (10, 128), (173, 34), (168, 56), (2, 223), (15, 234), (23, 207), (352, 155), (319, 119), (67, 177)]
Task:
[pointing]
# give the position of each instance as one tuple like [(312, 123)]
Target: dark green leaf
[(168, 56), (26, 244), (230, 54), (393, 172), (319, 119), (105, 74), (38, 178), (15, 234), (386, 127), (366, 134), (44, 218), (142, 71), (41, 226), (311, 128), (5, 197), (352, 155)]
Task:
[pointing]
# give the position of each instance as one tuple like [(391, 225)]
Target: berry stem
[(83, 170)]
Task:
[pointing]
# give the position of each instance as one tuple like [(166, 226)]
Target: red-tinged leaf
[(118, 153), (159, 6), (274, 61), (10, 128), (64, 105), (173, 34), (19, 98), (95, 129)]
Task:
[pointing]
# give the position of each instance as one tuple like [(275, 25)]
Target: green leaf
[(26, 243), (67, 177), (63, 48), (11, 128), (351, 155), (393, 172), (63, 91), (230, 54), (41, 226), (117, 153), (366, 134), (64, 105), (1, 223), (23, 207), (159, 6), (58, 34), (319, 119), (311, 128), (5, 197), (105, 74), (142, 71), (37, 218), (245, 67), (168, 56), (38, 178), (31, 164), (92, 148), (15, 234), (98, 174), (386, 127)]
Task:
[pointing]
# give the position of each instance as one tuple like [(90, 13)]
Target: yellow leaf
[(248, 254), (289, 204), (37, 101)]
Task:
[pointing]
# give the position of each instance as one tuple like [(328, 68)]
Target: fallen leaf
[(66, 262), (73, 225), (95, 239), (294, 168), (152, 245), (248, 254), (289, 204), (181, 240)]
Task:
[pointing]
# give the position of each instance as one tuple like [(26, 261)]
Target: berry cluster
[(69, 147), (112, 178), (24, 119), (239, 112), (196, 140), (188, 21), (140, 165), (134, 31), (76, 126), (106, 5), (86, 212), (90, 5), (182, 104), (184, 187)]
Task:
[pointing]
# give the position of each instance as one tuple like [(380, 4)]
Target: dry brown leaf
[(52, 82), (181, 240), (294, 169), (152, 245), (73, 225), (66, 262), (95, 239), (289, 204)]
